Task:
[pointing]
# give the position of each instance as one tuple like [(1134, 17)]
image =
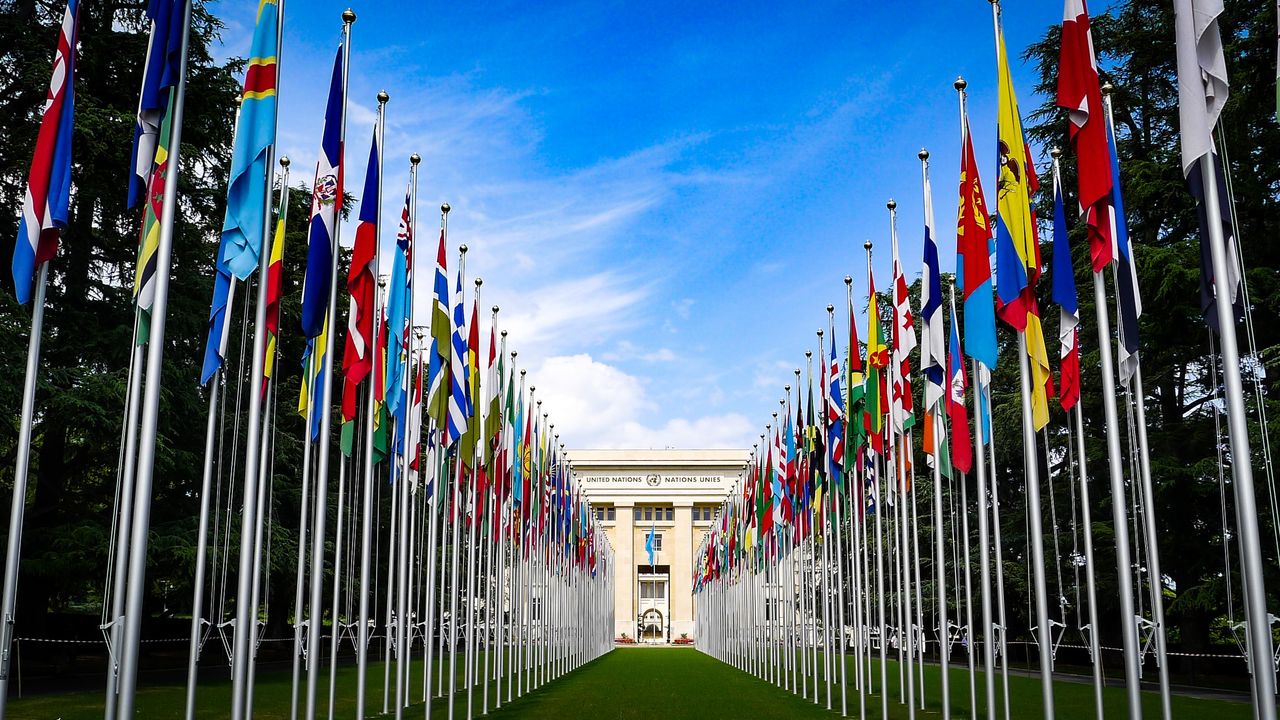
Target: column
[(681, 555), (624, 571)]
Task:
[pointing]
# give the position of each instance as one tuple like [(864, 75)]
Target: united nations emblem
[(653, 479), (326, 190)]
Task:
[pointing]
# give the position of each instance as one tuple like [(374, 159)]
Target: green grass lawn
[(632, 683)]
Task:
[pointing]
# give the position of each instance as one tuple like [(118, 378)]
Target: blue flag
[(326, 201)]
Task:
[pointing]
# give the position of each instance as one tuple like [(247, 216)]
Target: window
[(648, 513), (600, 513), (671, 514), (657, 542), (608, 513), (708, 513), (637, 513)]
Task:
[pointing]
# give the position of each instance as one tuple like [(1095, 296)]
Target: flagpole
[(202, 547), (140, 526), (1144, 460), (366, 504), (1261, 662), (17, 510), (124, 510), (477, 430), (314, 605)]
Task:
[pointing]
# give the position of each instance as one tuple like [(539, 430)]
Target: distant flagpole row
[(775, 559)]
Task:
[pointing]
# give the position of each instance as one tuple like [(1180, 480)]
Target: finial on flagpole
[(444, 208), (848, 279), (495, 312), (867, 246), (923, 154), (479, 282), (532, 388), (808, 354), (820, 333), (892, 204), (383, 97), (504, 334), (462, 248), (797, 370), (1108, 88), (786, 387), (414, 159), (418, 333), (960, 84), (284, 161), (832, 308), (348, 16), (1056, 152)]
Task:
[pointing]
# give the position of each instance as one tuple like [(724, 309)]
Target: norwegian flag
[(48, 195), (1080, 96)]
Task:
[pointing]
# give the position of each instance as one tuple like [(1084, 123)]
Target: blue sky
[(662, 197)]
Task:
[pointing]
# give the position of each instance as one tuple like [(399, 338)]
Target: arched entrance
[(652, 628)]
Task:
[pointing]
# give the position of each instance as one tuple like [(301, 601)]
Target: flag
[(961, 446), (149, 237), (1064, 294), (441, 344), (459, 402), (1080, 96), (399, 301), (362, 281), (1127, 296), (648, 543), (904, 341), (48, 192), (1202, 93), (1202, 76), (877, 360), (973, 261), (1017, 247), (468, 449), (160, 73), (413, 434), (255, 133), (326, 203), (933, 355), (857, 392), (493, 418), (835, 409), (275, 292)]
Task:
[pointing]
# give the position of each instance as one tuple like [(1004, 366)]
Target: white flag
[(1202, 76)]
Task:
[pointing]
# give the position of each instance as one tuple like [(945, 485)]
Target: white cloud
[(596, 405)]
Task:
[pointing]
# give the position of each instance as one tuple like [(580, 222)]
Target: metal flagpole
[(141, 522), (1118, 509), (472, 570), (413, 342), (458, 475), (18, 508), (261, 507), (833, 514), (1261, 661), (366, 503), (1144, 460), (301, 643), (315, 609), (879, 591), (202, 546), (240, 678), (1032, 468), (984, 549), (367, 497), (125, 508), (1087, 520)]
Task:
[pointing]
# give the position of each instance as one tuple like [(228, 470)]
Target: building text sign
[(669, 480)]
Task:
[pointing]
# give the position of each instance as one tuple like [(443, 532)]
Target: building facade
[(671, 496)]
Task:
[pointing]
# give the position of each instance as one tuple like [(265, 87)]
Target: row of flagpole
[(757, 567), (539, 570)]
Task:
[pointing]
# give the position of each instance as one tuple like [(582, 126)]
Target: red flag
[(357, 360), (1080, 96)]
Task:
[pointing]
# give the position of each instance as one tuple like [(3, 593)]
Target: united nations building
[(671, 495)]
